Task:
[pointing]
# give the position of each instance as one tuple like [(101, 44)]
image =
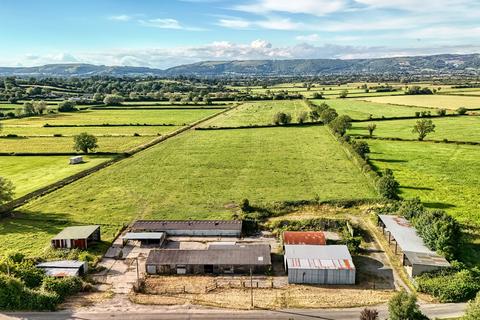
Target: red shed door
[(80, 243)]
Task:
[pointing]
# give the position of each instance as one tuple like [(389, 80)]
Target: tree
[(462, 110), (371, 127), (388, 186), (473, 309), (302, 117), (318, 95), (328, 115), (113, 100), (282, 118), (6, 190), (423, 127), (442, 112), (28, 108), (343, 94), (85, 142), (341, 124), (98, 97), (67, 106), (369, 314), (40, 106), (361, 148), (403, 306)]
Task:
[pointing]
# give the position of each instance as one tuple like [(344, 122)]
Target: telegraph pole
[(251, 288)]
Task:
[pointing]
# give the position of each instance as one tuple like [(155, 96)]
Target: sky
[(166, 33)]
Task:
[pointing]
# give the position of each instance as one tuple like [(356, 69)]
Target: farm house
[(416, 257), (314, 264), (205, 228), (214, 260), (64, 268), (76, 237), (304, 237)]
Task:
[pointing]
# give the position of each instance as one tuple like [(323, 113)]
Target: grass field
[(177, 117), (259, 113), (65, 144), (200, 174), (31, 173), (97, 131), (443, 176), (430, 101), (362, 110), (457, 128)]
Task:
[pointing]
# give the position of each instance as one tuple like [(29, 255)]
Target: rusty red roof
[(304, 237)]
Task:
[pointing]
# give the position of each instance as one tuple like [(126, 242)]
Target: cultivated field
[(430, 101), (465, 128), (31, 173)]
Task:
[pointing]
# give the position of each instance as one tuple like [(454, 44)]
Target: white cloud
[(314, 37), (314, 7), (122, 17), (235, 23), (166, 23), (224, 50)]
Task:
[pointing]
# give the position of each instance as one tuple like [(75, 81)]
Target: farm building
[(76, 237), (64, 268), (205, 228), (156, 238), (316, 264), (217, 260), (304, 237), (416, 257), (76, 160)]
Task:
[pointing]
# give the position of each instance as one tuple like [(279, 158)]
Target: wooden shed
[(76, 237)]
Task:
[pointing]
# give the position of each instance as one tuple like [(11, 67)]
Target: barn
[(314, 264), (226, 259), (64, 268), (149, 238), (190, 228), (416, 257), (76, 237), (304, 237)]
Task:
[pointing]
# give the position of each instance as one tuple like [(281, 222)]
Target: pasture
[(32, 173), (430, 101), (465, 128), (203, 174), (259, 113), (362, 110)]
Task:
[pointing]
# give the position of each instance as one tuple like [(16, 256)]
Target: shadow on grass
[(438, 205), (417, 188), (390, 160)]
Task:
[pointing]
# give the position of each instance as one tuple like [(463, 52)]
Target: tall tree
[(85, 142), (423, 127), (6, 190)]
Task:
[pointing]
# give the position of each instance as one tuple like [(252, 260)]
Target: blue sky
[(167, 33)]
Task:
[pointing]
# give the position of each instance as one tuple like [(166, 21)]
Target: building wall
[(321, 276), (418, 269), (204, 233), (203, 269)]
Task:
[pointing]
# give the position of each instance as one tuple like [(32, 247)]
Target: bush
[(442, 112), (403, 306), (67, 106), (462, 111), (281, 118), (328, 115), (341, 124), (302, 117), (113, 100), (411, 208), (369, 314), (361, 148), (63, 287), (473, 309), (387, 186)]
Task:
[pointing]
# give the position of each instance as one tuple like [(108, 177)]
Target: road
[(432, 310)]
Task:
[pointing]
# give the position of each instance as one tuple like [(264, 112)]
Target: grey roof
[(234, 255), (426, 259), (144, 236), (63, 264), (165, 225), (318, 257), (77, 232), (405, 235)]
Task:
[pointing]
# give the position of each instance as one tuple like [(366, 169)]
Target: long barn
[(192, 228)]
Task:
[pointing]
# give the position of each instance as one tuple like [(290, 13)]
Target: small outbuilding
[(76, 160), (304, 237), (190, 228), (217, 260), (76, 237), (416, 257), (156, 238), (314, 264), (64, 268)]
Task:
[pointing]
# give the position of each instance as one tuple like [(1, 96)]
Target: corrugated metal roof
[(426, 259), (62, 264), (144, 236), (233, 255), (405, 235), (76, 232), (304, 237), (165, 225), (334, 264)]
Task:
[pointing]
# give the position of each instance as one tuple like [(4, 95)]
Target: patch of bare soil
[(86, 299)]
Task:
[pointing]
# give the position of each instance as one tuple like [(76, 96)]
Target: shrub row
[(472, 143), (46, 125)]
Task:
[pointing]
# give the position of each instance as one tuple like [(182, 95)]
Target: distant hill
[(438, 64)]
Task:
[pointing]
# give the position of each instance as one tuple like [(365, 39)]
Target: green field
[(466, 128), (177, 117), (97, 131), (31, 173), (259, 113), (65, 144), (201, 173), (361, 110), (430, 101)]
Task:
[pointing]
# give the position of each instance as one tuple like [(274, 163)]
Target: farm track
[(6, 208)]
